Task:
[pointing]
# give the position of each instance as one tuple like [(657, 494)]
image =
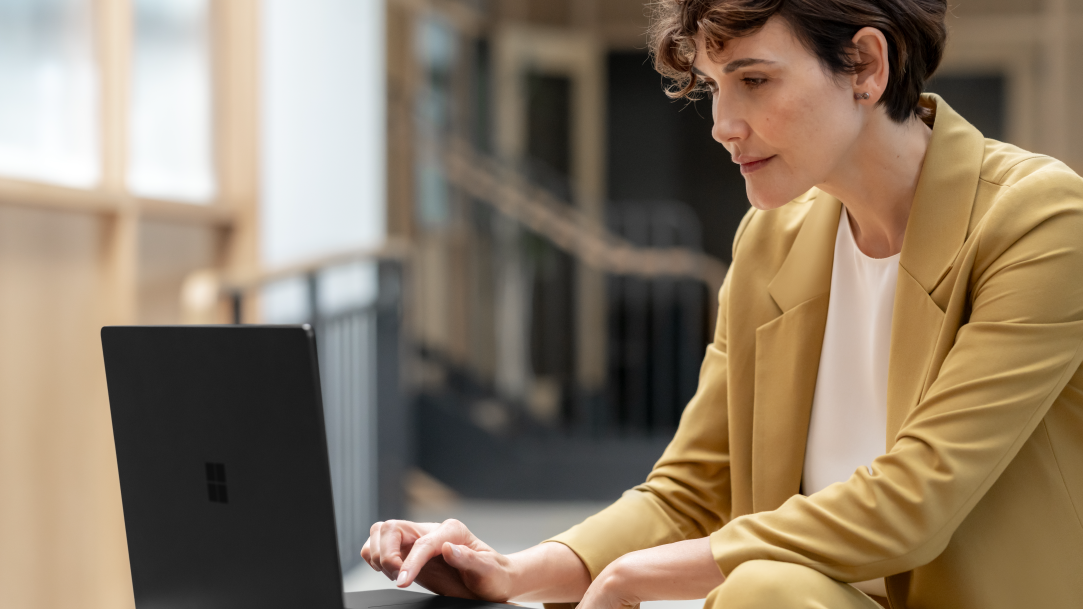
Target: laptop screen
[(223, 466)]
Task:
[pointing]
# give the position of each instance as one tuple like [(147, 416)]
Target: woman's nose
[(728, 127), (729, 130)]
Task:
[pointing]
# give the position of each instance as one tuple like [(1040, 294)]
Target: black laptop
[(224, 471)]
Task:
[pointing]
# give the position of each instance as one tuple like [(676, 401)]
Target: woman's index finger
[(426, 548)]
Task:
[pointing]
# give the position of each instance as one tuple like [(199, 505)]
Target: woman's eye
[(752, 83)]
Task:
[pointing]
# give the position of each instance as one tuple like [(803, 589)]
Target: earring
[(864, 95)]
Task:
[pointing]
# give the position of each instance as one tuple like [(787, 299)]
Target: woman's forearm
[(548, 572)]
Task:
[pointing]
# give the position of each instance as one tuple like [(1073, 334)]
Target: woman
[(892, 405)]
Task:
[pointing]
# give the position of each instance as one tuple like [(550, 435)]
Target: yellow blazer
[(978, 499)]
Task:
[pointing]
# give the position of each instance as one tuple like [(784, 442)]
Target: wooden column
[(237, 125), (1057, 78), (121, 229)]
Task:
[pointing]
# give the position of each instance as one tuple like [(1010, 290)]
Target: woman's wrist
[(547, 572), (684, 570), (552, 572)]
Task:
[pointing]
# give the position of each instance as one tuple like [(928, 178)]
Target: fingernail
[(456, 551), (401, 579)]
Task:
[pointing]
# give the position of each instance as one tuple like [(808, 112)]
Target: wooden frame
[(581, 57), (233, 212), (1034, 54)]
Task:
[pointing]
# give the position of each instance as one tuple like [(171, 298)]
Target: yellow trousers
[(765, 584)]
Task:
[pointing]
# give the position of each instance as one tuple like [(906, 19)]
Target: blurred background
[(508, 239)]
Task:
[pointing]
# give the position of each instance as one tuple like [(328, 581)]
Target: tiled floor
[(507, 527)]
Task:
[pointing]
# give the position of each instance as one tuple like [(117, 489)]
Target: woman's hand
[(614, 588), (445, 558), (448, 559), (678, 571)]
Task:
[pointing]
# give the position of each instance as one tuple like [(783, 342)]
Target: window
[(49, 109), (171, 122)]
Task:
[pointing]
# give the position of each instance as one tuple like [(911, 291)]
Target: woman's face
[(783, 118)]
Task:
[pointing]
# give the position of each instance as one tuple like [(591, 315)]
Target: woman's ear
[(873, 69)]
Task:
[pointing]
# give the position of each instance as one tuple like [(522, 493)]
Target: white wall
[(323, 138), (323, 190)]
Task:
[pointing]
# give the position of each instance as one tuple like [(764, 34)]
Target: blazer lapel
[(935, 233), (788, 355)]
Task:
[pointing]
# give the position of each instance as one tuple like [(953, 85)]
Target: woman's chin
[(766, 202), (766, 195)]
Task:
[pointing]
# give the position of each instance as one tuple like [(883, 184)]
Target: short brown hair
[(914, 29)]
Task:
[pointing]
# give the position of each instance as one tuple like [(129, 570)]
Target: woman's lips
[(749, 167)]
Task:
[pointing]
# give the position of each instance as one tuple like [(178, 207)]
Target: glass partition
[(171, 125), (48, 92)]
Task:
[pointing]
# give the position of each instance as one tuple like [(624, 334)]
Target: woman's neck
[(877, 180)]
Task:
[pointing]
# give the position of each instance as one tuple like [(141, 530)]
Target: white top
[(849, 408)]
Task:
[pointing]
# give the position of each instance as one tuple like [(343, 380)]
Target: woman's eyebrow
[(737, 64)]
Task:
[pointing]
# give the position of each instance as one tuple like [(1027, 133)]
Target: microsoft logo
[(216, 483)]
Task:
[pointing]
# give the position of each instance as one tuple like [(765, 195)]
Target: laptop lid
[(223, 465)]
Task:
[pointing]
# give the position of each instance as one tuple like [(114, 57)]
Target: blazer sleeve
[(1021, 345), (687, 494)]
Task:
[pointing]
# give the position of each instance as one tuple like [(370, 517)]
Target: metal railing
[(657, 286), (556, 431)]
